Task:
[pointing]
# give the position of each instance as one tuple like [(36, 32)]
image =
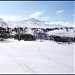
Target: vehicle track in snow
[(51, 59), (22, 65), (25, 66), (55, 61)]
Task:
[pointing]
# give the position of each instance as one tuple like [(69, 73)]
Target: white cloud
[(61, 23), (36, 14), (59, 11), (39, 15), (12, 18), (44, 18), (54, 22)]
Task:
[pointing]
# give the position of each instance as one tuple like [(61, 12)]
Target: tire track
[(28, 69), (49, 58), (24, 66)]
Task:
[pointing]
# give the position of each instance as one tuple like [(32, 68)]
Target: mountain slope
[(32, 22)]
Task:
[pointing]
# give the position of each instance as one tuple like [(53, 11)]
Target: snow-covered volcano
[(32, 22)]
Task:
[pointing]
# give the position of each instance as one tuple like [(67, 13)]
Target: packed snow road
[(34, 57)]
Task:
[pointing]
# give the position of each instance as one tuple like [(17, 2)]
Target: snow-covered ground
[(36, 57)]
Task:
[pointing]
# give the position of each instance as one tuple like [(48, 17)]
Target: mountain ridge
[(32, 22)]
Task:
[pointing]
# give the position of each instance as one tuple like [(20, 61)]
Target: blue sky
[(53, 11)]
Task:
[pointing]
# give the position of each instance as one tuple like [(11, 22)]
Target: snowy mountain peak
[(33, 21)]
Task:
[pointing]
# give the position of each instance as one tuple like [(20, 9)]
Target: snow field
[(35, 57)]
